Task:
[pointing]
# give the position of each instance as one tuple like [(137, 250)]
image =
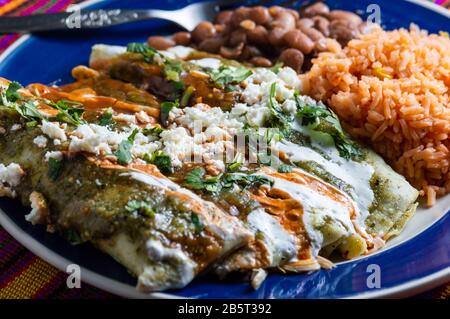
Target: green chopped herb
[(68, 113), (123, 153), (11, 93), (186, 96), (321, 119), (160, 160), (166, 107), (236, 164), (28, 110), (54, 168), (197, 222), (155, 131), (147, 52), (31, 124), (141, 207), (278, 118), (107, 118), (277, 67), (284, 168), (229, 75)]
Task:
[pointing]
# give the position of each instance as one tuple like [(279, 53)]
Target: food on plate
[(178, 161), (391, 90), (262, 36)]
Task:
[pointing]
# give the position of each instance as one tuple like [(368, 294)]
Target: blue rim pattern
[(417, 258)]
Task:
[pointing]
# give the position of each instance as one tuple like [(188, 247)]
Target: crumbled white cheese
[(39, 209), (96, 139), (53, 130), (40, 141), (177, 52), (16, 127), (207, 63), (10, 177), (125, 118), (143, 117), (57, 155)]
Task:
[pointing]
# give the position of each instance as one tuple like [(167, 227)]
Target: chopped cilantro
[(141, 207), (28, 110), (164, 112), (68, 113), (284, 168), (54, 168), (11, 93), (123, 153), (278, 118), (229, 75), (197, 222), (107, 118), (147, 52), (321, 119), (72, 236), (160, 160), (155, 131), (186, 96)]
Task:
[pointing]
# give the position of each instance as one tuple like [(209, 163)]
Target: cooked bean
[(305, 23), (160, 43), (220, 28), (258, 35), (283, 20), (292, 58), (344, 15), (236, 37), (274, 10), (321, 45), (182, 38), (203, 31), (276, 36), (343, 30), (223, 17), (212, 44), (322, 24), (231, 53), (312, 33), (250, 51), (248, 24), (316, 9), (239, 15), (260, 61), (294, 13), (260, 15), (298, 40)]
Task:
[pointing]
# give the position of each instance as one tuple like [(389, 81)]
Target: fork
[(186, 18)]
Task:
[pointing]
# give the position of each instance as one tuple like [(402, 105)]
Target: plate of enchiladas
[(296, 151)]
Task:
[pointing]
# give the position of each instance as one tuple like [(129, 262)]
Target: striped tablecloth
[(24, 275)]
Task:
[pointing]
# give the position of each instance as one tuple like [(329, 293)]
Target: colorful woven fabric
[(22, 274)]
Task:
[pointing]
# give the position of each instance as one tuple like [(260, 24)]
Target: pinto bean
[(259, 35), (260, 61), (276, 36), (212, 44), (298, 40), (236, 37), (316, 9), (248, 24), (312, 33), (322, 24), (238, 16), (202, 31), (292, 58), (343, 30), (305, 23), (223, 17), (182, 38), (344, 15), (160, 43), (260, 15), (283, 20), (231, 53), (250, 51)]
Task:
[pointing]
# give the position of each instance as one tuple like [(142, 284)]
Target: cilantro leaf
[(11, 93), (123, 153), (160, 160), (147, 52), (155, 131), (142, 207), (107, 119), (164, 112), (28, 110), (67, 113), (229, 75), (54, 168), (197, 222), (278, 118)]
